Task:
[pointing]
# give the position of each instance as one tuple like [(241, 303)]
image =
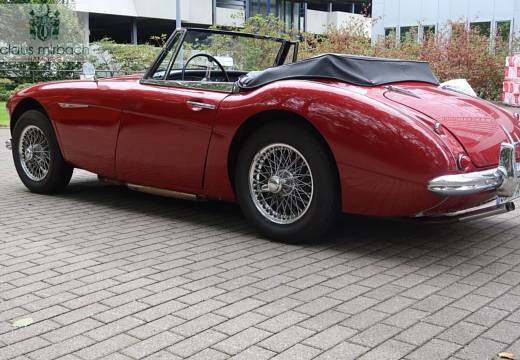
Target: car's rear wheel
[(286, 183), (37, 155)]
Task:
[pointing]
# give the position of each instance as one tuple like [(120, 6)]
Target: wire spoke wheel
[(281, 184), (34, 153)]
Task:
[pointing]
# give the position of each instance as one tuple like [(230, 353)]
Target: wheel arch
[(264, 118), (23, 106)]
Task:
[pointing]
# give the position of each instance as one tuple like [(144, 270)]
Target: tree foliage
[(111, 59)]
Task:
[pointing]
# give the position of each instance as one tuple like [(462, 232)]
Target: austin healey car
[(236, 117)]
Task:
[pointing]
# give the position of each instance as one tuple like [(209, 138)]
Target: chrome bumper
[(9, 145), (504, 179)]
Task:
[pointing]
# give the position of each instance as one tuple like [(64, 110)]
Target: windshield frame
[(285, 47)]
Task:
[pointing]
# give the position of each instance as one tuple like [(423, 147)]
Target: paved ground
[(108, 273)]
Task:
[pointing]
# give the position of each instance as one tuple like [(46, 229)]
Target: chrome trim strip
[(226, 87), (201, 105), (72, 106), (9, 144), (162, 192), (401, 90), (150, 190)]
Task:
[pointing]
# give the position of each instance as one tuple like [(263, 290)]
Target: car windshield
[(234, 52), (238, 54)]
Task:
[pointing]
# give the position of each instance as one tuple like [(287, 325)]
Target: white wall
[(229, 17), (319, 21), (193, 11), (397, 13), (114, 7), (342, 19)]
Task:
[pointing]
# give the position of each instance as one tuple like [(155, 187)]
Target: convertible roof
[(357, 70)]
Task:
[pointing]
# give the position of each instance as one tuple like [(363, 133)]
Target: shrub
[(5, 89)]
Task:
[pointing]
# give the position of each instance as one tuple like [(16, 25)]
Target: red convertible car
[(235, 117)]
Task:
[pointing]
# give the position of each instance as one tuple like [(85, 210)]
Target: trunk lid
[(478, 125)]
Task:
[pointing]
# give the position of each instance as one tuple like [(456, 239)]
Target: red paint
[(384, 143)]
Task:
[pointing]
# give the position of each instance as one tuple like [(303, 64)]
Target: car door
[(87, 119), (164, 135)]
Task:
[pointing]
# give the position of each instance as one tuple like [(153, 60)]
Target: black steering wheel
[(208, 72)]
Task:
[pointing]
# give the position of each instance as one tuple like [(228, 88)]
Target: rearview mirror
[(88, 72)]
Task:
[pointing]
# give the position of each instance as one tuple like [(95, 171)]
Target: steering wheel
[(208, 72)]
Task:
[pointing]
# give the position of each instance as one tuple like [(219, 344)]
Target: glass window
[(343, 7), (260, 7), (231, 4), (504, 30), (458, 28), (166, 57), (290, 55), (235, 53), (318, 5), (390, 32), (484, 28), (409, 33), (428, 31)]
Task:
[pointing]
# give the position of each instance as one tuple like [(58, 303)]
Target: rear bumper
[(503, 180)]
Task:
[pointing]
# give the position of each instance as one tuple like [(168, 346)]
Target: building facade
[(406, 19), (135, 21)]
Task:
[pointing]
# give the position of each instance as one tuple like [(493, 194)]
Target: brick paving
[(106, 273)]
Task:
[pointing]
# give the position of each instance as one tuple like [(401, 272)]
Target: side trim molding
[(151, 190), (72, 106)]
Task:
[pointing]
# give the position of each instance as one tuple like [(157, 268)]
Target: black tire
[(322, 210), (59, 173)]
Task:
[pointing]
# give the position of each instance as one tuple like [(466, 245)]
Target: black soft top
[(357, 70)]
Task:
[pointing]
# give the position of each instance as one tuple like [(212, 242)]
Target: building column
[(248, 8), (84, 18), (304, 17), (178, 14), (134, 31), (214, 12)]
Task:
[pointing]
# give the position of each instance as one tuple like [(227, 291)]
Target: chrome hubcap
[(34, 153), (281, 183), (274, 185)]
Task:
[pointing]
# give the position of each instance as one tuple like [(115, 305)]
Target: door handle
[(198, 106)]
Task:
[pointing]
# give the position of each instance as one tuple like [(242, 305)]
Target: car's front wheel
[(37, 155), (286, 183)]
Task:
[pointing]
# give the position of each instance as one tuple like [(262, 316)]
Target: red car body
[(386, 144)]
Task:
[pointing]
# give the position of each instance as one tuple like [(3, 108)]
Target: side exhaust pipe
[(470, 215)]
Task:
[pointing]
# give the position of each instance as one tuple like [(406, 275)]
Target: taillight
[(463, 162)]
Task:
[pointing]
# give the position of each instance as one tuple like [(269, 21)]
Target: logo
[(44, 24)]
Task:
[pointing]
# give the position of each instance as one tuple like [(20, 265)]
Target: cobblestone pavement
[(106, 273)]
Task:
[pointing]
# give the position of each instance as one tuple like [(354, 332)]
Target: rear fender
[(382, 155)]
